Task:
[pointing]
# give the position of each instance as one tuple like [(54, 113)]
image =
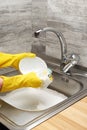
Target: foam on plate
[(31, 99)]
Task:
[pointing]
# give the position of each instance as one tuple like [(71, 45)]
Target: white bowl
[(35, 64)]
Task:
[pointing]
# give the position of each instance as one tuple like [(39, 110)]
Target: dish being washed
[(32, 99), (36, 64)]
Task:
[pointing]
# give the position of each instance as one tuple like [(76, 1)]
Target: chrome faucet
[(70, 62), (67, 61)]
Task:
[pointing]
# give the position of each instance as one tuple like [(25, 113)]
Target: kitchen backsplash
[(20, 18)]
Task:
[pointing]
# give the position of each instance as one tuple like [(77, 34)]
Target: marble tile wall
[(70, 17), (15, 25), (20, 18)]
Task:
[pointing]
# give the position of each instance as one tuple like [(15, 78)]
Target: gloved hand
[(19, 81), (27, 80), (13, 60)]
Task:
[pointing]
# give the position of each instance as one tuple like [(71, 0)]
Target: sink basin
[(33, 99), (65, 84), (74, 88)]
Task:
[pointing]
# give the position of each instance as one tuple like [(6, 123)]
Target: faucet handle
[(72, 57), (75, 57), (71, 60)]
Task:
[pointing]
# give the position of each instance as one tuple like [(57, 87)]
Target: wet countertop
[(72, 118)]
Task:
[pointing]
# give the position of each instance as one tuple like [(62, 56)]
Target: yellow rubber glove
[(13, 60), (19, 81)]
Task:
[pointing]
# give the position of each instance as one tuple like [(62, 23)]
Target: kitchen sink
[(74, 87)]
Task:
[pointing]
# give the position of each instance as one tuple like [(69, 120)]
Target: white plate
[(35, 64), (31, 99)]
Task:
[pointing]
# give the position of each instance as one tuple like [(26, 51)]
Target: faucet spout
[(60, 37)]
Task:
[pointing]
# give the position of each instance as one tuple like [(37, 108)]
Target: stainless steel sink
[(74, 88), (65, 85)]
